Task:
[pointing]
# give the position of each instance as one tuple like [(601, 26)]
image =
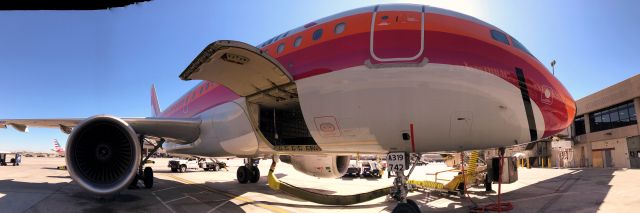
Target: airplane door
[(397, 35), (273, 107), (244, 69)]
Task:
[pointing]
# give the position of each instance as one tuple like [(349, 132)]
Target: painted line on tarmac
[(232, 196), (163, 203), (218, 206), (159, 190), (180, 198)]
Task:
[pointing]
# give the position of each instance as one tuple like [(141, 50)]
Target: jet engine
[(324, 166), (103, 154)]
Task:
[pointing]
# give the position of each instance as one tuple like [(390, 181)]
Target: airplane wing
[(178, 130)]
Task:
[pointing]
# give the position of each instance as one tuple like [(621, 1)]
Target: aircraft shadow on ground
[(582, 190), (557, 194), (20, 196), (292, 201), (287, 199)]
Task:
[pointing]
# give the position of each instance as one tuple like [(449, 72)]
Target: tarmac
[(38, 186)]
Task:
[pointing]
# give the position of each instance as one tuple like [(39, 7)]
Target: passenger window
[(499, 36), (193, 96), (201, 90), (280, 48), (297, 42), (317, 34), (206, 87), (339, 28)]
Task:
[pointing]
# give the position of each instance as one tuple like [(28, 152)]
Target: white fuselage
[(366, 109)]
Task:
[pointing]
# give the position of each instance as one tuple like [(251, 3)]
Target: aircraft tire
[(487, 182), (243, 174), (148, 177), (255, 175), (414, 205), (461, 189), (404, 208)]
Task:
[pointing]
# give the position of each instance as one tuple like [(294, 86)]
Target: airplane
[(57, 148), (394, 79)]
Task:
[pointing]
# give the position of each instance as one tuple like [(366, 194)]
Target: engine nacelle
[(324, 166), (103, 154)]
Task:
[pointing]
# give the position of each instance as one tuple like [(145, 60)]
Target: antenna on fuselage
[(553, 67)]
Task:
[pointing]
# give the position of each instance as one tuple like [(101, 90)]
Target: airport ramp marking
[(232, 196), (159, 190), (180, 198), (218, 206), (163, 203)]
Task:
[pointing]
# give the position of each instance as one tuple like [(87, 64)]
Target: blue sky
[(77, 64)]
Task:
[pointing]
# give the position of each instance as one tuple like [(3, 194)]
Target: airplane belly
[(225, 131), (362, 109)]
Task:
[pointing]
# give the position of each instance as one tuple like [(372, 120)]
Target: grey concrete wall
[(617, 93)]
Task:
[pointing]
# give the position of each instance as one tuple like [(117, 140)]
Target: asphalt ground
[(38, 186)]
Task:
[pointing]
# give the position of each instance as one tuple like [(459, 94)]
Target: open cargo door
[(243, 68), (271, 95)]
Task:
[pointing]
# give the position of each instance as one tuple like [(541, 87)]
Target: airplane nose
[(569, 105)]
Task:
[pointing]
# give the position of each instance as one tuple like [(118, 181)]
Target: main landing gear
[(146, 174), (397, 164), (249, 172)]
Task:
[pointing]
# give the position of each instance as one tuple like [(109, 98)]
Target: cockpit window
[(519, 45), (284, 35), (317, 34), (499, 36)]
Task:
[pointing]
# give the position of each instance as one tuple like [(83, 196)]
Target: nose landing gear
[(397, 163), (249, 172)]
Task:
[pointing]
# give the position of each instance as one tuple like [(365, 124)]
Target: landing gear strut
[(249, 172), (400, 188), (146, 174)]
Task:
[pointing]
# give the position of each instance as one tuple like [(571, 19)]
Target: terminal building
[(605, 132)]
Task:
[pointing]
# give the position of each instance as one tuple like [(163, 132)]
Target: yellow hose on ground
[(315, 197)]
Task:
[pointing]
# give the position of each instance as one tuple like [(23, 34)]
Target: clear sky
[(77, 64)]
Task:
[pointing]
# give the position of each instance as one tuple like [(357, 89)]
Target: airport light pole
[(553, 67)]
